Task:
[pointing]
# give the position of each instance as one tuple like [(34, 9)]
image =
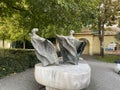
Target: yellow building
[(6, 44), (93, 44)]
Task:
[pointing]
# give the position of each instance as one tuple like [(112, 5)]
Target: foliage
[(107, 13), (16, 61), (10, 17), (106, 16), (53, 17), (3, 30), (50, 16)]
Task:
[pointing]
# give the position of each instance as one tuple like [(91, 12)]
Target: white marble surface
[(49, 88), (64, 77)]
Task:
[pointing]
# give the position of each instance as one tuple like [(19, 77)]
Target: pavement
[(103, 77), (20, 81)]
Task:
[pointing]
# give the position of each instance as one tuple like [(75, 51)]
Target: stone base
[(63, 77)]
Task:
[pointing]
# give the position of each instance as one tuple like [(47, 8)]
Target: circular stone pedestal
[(63, 77)]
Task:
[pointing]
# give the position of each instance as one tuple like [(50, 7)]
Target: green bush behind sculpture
[(16, 60)]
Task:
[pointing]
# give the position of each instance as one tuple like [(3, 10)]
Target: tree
[(11, 16), (50, 16), (62, 15), (107, 11)]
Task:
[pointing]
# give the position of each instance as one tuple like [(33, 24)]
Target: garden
[(51, 17)]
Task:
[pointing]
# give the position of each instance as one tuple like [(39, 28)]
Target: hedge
[(16, 60)]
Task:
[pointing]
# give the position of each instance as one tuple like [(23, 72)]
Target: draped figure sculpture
[(67, 72), (70, 48), (44, 49)]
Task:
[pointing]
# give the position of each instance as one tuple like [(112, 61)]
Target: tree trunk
[(3, 43), (101, 36), (102, 41), (102, 48), (24, 43)]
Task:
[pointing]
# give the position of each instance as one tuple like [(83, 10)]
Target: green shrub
[(16, 60)]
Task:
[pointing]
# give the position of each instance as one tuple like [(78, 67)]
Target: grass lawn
[(108, 58)]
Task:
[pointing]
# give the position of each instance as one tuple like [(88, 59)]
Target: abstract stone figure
[(71, 48), (63, 76), (44, 49), (79, 44), (81, 47)]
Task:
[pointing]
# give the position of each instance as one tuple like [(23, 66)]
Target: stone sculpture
[(79, 45), (44, 49), (71, 48), (57, 76)]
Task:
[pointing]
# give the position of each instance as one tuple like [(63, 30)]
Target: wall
[(93, 45), (96, 45), (89, 37), (6, 44), (108, 39)]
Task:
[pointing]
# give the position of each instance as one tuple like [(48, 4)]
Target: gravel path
[(20, 81), (103, 77)]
